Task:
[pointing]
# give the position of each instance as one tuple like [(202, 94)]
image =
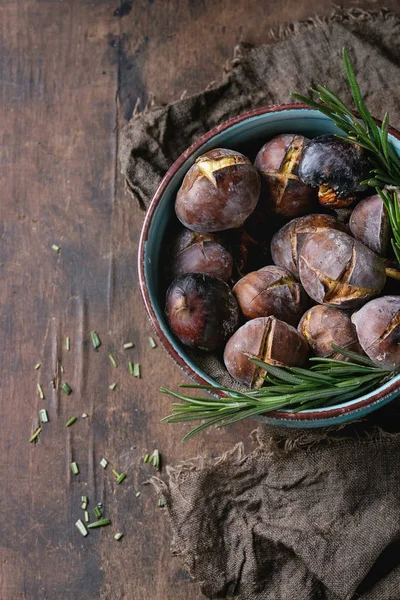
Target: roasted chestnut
[(278, 162), (201, 310), (271, 291), (218, 192), (378, 329), (335, 167), (323, 326), (369, 223), (286, 244), (201, 253), (338, 270), (267, 339)]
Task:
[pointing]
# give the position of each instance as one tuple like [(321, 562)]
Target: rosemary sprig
[(385, 162), (327, 382)]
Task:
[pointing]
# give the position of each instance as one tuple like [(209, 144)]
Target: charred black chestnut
[(369, 223), (271, 291), (288, 241), (218, 192), (338, 270), (335, 167), (378, 329), (267, 339), (323, 326), (201, 310), (201, 253), (278, 162)]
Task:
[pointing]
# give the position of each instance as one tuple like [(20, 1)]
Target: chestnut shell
[(201, 253), (369, 223), (218, 192)]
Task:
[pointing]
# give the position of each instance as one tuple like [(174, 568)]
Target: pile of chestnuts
[(320, 275)]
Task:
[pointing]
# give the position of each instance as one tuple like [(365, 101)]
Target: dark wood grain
[(62, 65)]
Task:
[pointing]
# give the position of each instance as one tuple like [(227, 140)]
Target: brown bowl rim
[(311, 415)]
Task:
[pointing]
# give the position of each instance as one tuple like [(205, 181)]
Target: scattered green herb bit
[(67, 343), (138, 494), (121, 478), (97, 512), (61, 369), (113, 386), (74, 468), (155, 459), (71, 421), (146, 458), (115, 473), (56, 248), (152, 342), (87, 517), (85, 499), (40, 390), (113, 361), (84, 415), (118, 536), (43, 416), (103, 463), (79, 524), (96, 341), (131, 368), (161, 503), (136, 370), (101, 523), (128, 345), (37, 366), (66, 388), (99, 504), (35, 435), (84, 505)]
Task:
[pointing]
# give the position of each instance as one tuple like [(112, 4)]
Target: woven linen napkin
[(304, 516)]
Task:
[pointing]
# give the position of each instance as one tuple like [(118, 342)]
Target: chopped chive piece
[(118, 536), (101, 523), (99, 504), (136, 370), (84, 415), (131, 368), (84, 505), (79, 524), (146, 458), (113, 361), (97, 512), (96, 341), (161, 503), (152, 342), (71, 421), (56, 248), (155, 459), (40, 390), (67, 343), (103, 463), (115, 473), (138, 494), (121, 478), (74, 468), (61, 369), (85, 499), (87, 517), (35, 435), (66, 388), (128, 345), (43, 416), (113, 386), (37, 366)]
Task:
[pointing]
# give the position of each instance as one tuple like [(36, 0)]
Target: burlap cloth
[(305, 516)]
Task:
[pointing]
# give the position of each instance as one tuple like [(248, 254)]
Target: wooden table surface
[(70, 74)]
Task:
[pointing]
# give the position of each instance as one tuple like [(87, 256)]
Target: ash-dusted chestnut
[(271, 291), (286, 244), (201, 253), (378, 329), (369, 223), (218, 192), (268, 339), (278, 162), (201, 310), (336, 168), (338, 270), (323, 326)]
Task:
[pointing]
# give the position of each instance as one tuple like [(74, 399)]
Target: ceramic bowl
[(245, 133)]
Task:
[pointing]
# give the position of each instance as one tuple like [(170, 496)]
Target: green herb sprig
[(327, 382), (363, 131)]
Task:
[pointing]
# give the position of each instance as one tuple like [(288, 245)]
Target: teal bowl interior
[(246, 136)]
